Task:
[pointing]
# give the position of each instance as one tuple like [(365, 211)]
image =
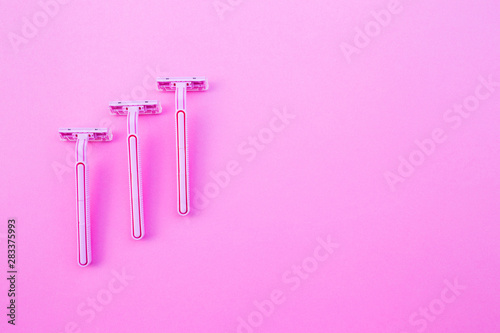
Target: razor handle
[(134, 166), (82, 203), (182, 163)]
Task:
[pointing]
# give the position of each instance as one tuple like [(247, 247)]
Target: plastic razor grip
[(83, 224), (182, 163), (135, 187)]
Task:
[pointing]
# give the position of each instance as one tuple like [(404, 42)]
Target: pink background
[(321, 176)]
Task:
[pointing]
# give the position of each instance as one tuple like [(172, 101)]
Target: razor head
[(194, 83), (94, 134), (144, 107)]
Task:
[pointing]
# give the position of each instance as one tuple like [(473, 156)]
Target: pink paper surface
[(344, 166)]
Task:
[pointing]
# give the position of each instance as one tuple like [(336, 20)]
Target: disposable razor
[(181, 85), (82, 136), (132, 109)]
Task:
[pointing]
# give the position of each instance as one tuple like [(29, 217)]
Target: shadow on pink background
[(336, 220)]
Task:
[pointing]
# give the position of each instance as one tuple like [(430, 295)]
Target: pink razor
[(82, 136), (181, 85), (132, 111)]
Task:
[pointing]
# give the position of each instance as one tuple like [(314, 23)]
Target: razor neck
[(81, 148), (132, 120), (180, 96)]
